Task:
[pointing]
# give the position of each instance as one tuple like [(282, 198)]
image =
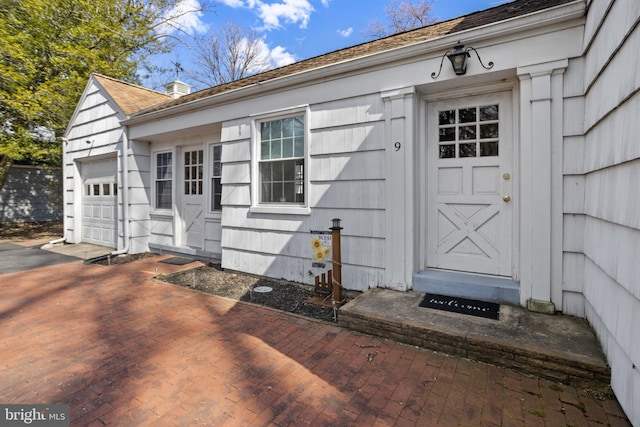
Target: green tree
[(48, 48)]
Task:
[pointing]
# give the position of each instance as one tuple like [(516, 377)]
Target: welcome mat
[(488, 310), (176, 260)]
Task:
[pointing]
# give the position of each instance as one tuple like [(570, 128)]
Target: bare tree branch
[(229, 54), (401, 16)]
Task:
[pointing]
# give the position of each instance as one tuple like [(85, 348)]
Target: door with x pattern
[(192, 198), (470, 184)]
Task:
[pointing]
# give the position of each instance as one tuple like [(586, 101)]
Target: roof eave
[(536, 20)]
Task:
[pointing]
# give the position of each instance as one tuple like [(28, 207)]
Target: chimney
[(176, 89)]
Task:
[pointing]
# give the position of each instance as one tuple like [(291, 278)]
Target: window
[(468, 132), (164, 173), (216, 178), (100, 189), (193, 167), (281, 166)]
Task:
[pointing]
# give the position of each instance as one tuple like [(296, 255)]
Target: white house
[(516, 181), (94, 151)]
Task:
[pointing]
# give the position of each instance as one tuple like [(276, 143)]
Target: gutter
[(125, 193), (64, 237)]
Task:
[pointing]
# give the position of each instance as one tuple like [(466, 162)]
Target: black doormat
[(176, 260), (488, 310)]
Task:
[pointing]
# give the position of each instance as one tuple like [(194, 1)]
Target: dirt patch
[(212, 279), (285, 296), (31, 231)]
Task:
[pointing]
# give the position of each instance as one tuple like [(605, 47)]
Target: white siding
[(213, 236), (162, 229), (611, 279), (139, 182), (346, 173), (95, 133)]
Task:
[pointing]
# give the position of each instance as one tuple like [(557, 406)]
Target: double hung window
[(216, 178), (282, 161), (163, 180)]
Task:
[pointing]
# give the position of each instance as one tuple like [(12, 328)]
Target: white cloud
[(280, 57), (233, 3), (275, 14), (346, 33), (289, 11), (185, 16), (325, 3), (272, 58)]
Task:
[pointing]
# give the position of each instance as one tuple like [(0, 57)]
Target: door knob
[(506, 198)]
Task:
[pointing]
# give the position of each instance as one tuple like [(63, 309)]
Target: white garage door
[(99, 202)]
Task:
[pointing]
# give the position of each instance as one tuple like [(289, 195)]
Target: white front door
[(470, 184), (192, 200)]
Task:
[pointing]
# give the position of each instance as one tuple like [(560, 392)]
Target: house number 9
[(398, 146)]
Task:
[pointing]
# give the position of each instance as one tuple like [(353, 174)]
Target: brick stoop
[(556, 347)]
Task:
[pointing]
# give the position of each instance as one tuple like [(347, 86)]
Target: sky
[(293, 30)]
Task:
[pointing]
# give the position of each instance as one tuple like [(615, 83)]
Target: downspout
[(65, 141), (125, 193)]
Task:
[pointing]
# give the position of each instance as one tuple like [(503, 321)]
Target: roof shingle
[(473, 20), (129, 97)]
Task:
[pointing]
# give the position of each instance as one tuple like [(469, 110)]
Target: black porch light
[(458, 57), (336, 224)]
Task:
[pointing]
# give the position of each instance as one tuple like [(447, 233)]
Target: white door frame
[(182, 198), (423, 175)]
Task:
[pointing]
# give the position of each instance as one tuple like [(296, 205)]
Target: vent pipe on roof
[(176, 89)]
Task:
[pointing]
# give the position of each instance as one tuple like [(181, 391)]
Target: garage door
[(99, 203)]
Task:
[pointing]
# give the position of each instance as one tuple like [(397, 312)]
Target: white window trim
[(154, 172), (275, 208)]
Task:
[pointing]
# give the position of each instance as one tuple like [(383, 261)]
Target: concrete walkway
[(124, 349), (83, 251)]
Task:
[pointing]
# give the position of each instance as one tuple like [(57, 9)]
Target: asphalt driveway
[(15, 257), (27, 256)]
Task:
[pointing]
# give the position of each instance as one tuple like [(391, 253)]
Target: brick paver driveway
[(123, 349)]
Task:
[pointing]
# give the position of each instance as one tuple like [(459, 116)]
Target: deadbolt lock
[(506, 176)]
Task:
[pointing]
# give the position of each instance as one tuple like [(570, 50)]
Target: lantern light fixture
[(458, 57)]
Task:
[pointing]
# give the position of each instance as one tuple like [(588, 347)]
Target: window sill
[(281, 210), (213, 215)]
